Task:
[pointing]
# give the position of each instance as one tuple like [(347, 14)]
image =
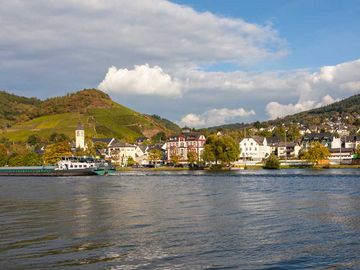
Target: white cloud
[(142, 80), (129, 32), (318, 89), (214, 117), (275, 109)]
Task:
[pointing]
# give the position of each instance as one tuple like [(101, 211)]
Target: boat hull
[(105, 171), (44, 172)]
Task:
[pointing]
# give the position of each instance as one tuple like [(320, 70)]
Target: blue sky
[(318, 32), (197, 62)]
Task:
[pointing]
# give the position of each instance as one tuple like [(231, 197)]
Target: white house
[(288, 150), (120, 152), (254, 148)]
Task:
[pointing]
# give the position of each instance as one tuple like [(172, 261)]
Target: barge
[(67, 166)]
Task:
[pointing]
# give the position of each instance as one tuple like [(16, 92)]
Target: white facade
[(121, 152), (254, 148)]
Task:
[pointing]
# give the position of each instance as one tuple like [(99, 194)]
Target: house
[(325, 138), (255, 148), (120, 152), (288, 150), (273, 143), (181, 145)]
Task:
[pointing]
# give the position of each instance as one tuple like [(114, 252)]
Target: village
[(186, 148)]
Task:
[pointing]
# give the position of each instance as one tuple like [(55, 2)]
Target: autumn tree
[(316, 152), (155, 155), (54, 152), (3, 155), (192, 157)]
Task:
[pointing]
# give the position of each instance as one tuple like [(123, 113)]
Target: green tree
[(54, 152), (34, 139), (357, 151), (159, 137), (316, 152), (223, 149), (272, 162), (130, 162), (58, 137), (28, 159)]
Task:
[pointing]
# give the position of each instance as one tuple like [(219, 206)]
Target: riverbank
[(247, 167)]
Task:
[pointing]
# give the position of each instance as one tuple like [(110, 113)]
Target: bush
[(272, 163)]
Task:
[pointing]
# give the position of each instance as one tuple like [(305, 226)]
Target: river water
[(287, 219)]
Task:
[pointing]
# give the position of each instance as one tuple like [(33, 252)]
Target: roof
[(192, 136), (318, 136), (258, 139), (104, 140), (80, 126), (273, 140), (122, 144), (351, 138)]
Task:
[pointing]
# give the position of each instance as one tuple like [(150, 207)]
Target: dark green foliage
[(58, 137), (29, 159), (272, 162), (159, 137), (34, 139), (223, 149)]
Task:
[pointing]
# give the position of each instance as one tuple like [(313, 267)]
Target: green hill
[(100, 116)]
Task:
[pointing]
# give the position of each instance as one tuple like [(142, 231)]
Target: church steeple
[(80, 136)]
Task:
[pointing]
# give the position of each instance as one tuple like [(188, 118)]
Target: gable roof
[(104, 140)]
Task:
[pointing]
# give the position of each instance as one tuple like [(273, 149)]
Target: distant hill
[(102, 117), (347, 109)]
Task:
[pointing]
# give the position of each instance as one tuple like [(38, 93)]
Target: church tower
[(80, 136)]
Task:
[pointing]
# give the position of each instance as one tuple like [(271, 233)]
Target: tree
[(54, 152), (29, 159), (357, 151), (34, 139), (58, 137), (155, 155), (159, 137), (130, 162), (192, 157), (3, 155), (223, 149), (316, 152), (272, 162), (175, 158)]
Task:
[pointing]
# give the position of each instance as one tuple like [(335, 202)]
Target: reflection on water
[(182, 220)]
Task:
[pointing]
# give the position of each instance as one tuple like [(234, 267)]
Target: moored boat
[(67, 166)]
